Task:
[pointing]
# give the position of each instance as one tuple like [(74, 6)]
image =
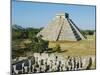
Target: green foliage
[(16, 34), (20, 35), (57, 48), (32, 32), (19, 32), (87, 32), (38, 45)]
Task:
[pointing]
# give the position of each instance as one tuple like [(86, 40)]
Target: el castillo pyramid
[(61, 28)]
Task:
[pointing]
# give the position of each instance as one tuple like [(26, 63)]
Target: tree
[(38, 45), (32, 32)]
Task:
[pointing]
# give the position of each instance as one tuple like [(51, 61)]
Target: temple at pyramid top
[(65, 15), (61, 28)]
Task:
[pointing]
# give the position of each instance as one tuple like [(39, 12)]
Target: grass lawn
[(79, 48)]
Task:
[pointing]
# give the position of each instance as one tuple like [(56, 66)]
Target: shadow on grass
[(63, 51), (50, 50)]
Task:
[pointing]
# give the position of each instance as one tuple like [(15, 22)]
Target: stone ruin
[(43, 62)]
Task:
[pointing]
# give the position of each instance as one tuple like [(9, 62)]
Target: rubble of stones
[(44, 62)]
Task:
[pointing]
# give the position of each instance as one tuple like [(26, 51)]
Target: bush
[(57, 48)]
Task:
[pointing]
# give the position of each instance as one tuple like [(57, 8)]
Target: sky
[(34, 14)]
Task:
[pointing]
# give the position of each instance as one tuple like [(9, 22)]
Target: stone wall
[(40, 63)]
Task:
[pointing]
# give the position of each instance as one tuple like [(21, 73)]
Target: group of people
[(40, 63)]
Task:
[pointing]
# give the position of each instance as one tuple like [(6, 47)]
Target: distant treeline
[(19, 32), (87, 32)]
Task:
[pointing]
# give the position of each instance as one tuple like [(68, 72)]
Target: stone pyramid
[(61, 28)]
